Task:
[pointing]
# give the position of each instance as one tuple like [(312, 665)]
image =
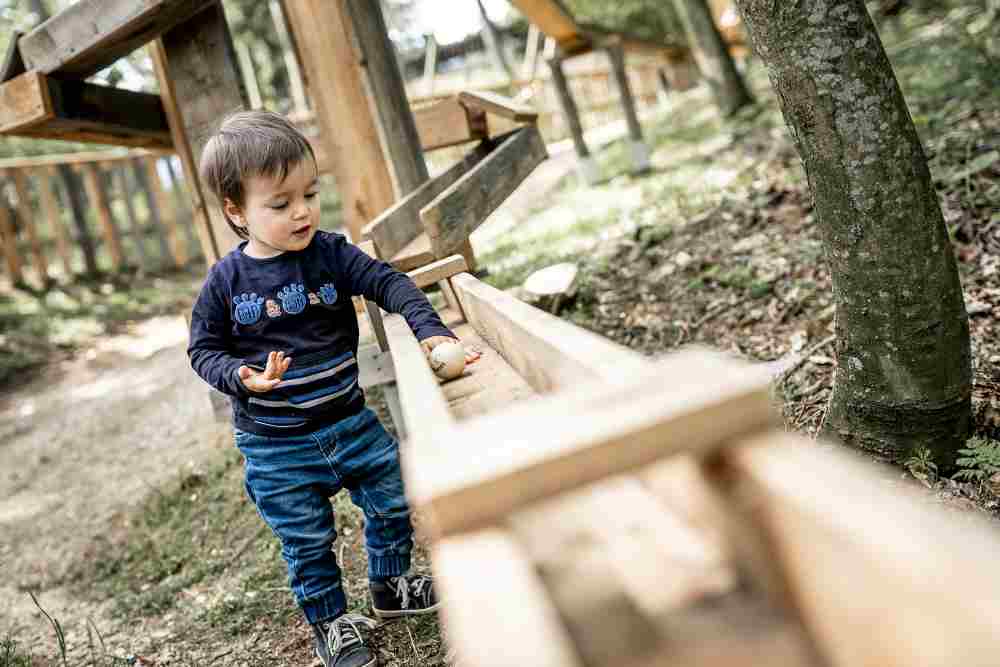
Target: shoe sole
[(405, 612), (370, 663)]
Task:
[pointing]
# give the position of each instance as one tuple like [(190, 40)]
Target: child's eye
[(310, 195), (278, 207)]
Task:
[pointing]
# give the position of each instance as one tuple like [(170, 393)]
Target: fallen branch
[(803, 358)]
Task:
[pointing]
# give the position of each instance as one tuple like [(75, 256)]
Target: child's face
[(279, 215)]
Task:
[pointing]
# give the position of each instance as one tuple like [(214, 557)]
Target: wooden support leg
[(587, 167), (391, 393), (638, 147)]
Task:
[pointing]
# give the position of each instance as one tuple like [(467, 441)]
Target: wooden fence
[(92, 212)]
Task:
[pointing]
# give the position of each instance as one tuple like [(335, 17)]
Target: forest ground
[(121, 501)]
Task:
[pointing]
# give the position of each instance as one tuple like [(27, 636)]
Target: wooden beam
[(89, 35), (76, 158), (200, 84), (500, 105), (13, 64), (373, 310), (28, 221), (454, 214), (25, 103), (399, 225), (554, 20), (480, 627), (78, 111), (548, 352), (692, 402), (832, 517), (439, 270), (448, 123), (424, 408), (325, 35)]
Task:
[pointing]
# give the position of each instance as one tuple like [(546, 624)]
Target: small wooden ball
[(448, 360)]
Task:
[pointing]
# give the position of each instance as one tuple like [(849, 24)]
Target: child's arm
[(209, 351), (393, 290)]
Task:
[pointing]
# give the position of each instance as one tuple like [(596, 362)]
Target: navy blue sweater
[(300, 303)]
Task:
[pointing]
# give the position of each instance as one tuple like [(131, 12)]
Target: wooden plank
[(95, 193), (99, 114), (29, 224), (89, 35), (477, 617), (415, 254), (374, 367), (439, 270), (548, 352), (114, 155), (448, 123), (399, 224), (373, 310), (488, 385), (50, 209), (163, 211), (24, 103), (9, 234), (386, 95), (460, 209), (554, 20), (500, 105), (425, 410), (575, 437), (200, 84), (325, 35), (831, 517)]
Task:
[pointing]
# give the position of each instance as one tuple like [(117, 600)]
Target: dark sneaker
[(404, 596), (339, 642)]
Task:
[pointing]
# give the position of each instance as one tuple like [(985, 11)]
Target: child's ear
[(233, 212)]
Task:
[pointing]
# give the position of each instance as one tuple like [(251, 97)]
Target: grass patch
[(11, 655), (37, 325)]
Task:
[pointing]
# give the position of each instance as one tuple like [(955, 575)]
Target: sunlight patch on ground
[(145, 339)]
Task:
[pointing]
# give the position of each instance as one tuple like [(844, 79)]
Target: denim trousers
[(291, 481)]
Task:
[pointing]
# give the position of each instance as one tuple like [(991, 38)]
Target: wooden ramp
[(588, 506)]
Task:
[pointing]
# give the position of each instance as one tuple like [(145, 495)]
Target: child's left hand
[(429, 344)]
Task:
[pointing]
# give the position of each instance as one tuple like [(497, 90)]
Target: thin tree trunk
[(494, 42), (712, 56), (903, 377), (73, 188)]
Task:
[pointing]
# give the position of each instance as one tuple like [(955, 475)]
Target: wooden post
[(200, 84), (95, 193), (494, 43), (162, 212), (638, 147), (587, 167), (387, 98), (530, 64), (324, 34), (135, 228), (50, 209), (9, 234), (430, 62), (28, 220)]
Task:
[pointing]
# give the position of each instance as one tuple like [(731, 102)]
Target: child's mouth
[(302, 231)]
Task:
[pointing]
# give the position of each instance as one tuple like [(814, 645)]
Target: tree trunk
[(494, 42), (903, 377), (73, 189), (713, 59)]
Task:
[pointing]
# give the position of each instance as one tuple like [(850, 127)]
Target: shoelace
[(402, 588), (336, 637)]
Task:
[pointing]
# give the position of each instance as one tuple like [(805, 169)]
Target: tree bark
[(903, 377), (712, 56)]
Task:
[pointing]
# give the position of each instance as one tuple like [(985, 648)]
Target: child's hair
[(250, 143)]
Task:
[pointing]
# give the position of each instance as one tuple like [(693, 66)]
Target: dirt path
[(85, 443)]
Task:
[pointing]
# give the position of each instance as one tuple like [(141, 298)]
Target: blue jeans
[(291, 481)]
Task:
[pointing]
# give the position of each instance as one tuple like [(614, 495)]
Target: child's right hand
[(266, 380)]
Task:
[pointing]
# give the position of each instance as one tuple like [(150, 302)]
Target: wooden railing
[(64, 215)]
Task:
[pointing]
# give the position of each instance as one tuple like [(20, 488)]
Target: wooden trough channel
[(591, 507)]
